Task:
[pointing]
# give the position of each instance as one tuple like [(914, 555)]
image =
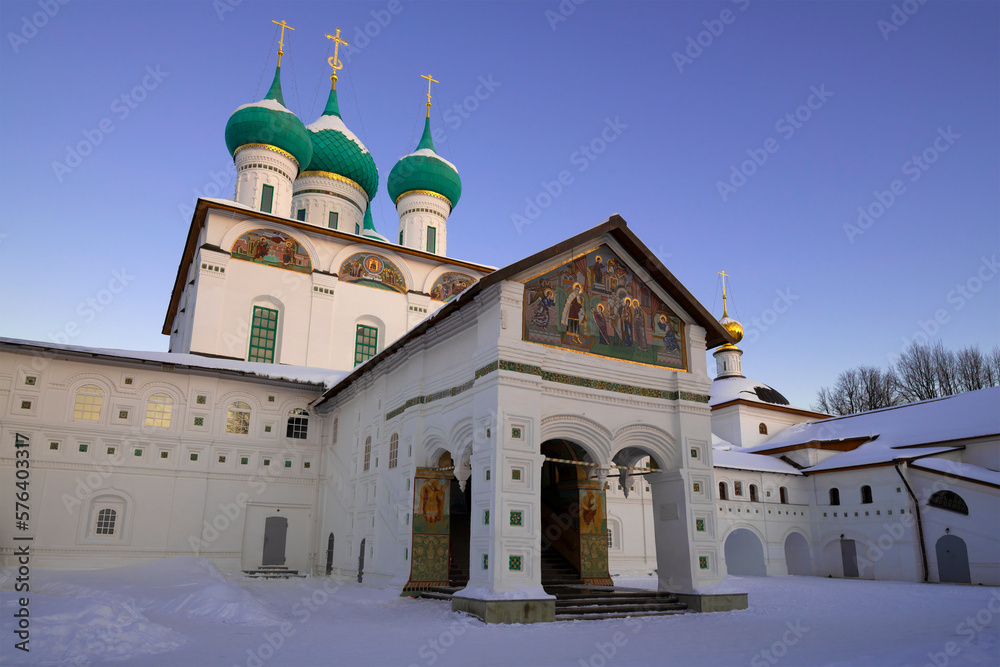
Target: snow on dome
[(273, 105), (336, 124), (427, 152), (732, 388)]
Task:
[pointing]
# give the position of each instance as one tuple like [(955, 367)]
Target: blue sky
[(742, 136)]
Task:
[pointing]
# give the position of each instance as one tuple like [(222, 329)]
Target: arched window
[(368, 453), (762, 428), (949, 500), (783, 495), (611, 538), (393, 450), (336, 427), (89, 400), (238, 418), (866, 495), (723, 491), (159, 410), (106, 519), (753, 493), (263, 335), (298, 424), (834, 496)]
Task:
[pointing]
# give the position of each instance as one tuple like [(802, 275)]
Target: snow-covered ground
[(183, 612)]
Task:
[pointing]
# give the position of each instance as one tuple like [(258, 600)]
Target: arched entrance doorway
[(745, 554), (573, 517), (953, 560), (797, 556)]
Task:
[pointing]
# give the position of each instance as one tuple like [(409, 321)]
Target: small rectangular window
[(431, 239), (365, 343), (333, 220), (300, 214), (357, 229), (266, 197), (263, 332)]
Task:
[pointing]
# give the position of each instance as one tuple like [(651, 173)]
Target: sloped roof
[(617, 228), (727, 455), (901, 432), (321, 377)]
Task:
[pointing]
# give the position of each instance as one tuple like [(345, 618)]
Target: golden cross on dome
[(722, 273), (334, 62), (281, 42), (430, 79)]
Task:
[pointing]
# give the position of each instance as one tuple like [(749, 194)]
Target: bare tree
[(858, 390), (922, 372), (915, 370), (971, 369)]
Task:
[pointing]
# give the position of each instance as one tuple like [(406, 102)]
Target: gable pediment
[(596, 303)]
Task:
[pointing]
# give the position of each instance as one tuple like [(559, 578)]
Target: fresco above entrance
[(596, 304), (373, 271), (266, 246)]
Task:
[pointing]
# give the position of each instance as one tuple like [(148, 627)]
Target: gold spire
[(430, 80), (281, 42), (334, 62), (725, 312), (734, 328)]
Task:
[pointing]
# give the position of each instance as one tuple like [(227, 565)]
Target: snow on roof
[(966, 470), (726, 456), (228, 202), (940, 420), (733, 388), (303, 374), (426, 152), (335, 123)]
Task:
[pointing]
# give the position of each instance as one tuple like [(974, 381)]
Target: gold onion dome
[(734, 328)]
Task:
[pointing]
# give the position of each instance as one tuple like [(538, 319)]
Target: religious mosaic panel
[(271, 248), (593, 534), (596, 304), (431, 526), (448, 285), (373, 271)]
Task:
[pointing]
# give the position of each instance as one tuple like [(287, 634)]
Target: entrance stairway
[(272, 572), (579, 603), (557, 571)]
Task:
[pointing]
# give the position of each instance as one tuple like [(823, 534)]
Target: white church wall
[(884, 530), (977, 529), (182, 489)]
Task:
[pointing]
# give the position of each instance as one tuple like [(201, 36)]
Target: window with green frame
[(333, 219), (266, 198), (300, 214), (365, 344), (357, 229), (263, 333), (432, 238)]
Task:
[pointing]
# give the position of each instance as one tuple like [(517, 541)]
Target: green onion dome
[(269, 122), (424, 169), (337, 150)]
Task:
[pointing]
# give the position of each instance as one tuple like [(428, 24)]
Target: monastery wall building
[(342, 404)]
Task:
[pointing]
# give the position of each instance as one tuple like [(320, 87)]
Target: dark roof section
[(99, 355), (616, 227), (198, 220)]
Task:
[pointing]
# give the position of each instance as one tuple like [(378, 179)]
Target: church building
[(338, 403)]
